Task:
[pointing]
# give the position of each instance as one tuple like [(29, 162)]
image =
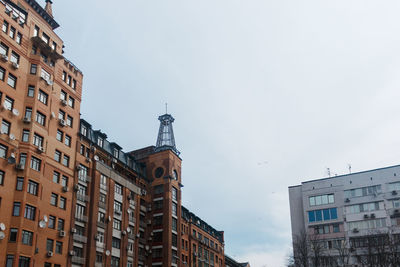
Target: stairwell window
[(9, 103), (12, 80), (28, 113), (5, 127), (31, 90), (3, 151), (25, 136), (4, 28), (42, 97)]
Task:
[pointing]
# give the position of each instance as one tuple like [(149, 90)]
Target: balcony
[(82, 197), (132, 203), (101, 224), (45, 48), (80, 238), (81, 218), (78, 260), (131, 236), (143, 208), (84, 178), (102, 205), (103, 186)]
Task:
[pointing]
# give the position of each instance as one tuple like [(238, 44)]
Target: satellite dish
[(45, 218), (96, 158), (15, 112), (2, 227), (2, 235), (128, 230), (128, 211), (108, 253), (42, 224), (147, 247), (12, 137)]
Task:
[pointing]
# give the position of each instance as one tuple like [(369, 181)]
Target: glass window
[(116, 243), (27, 237), (174, 194), (56, 177), (42, 97), (66, 160), (59, 247), (3, 49), (49, 244), (24, 261), (118, 189), (69, 121), (1, 177), (63, 95), (35, 163), (36, 31), (37, 140), (16, 209), (63, 203), (12, 80), (57, 156), (13, 235), (4, 28), (20, 184), (8, 103), (3, 151), (40, 118), (31, 90), (25, 136), (14, 57), (12, 32), (52, 222), (64, 181), (53, 199), (19, 38), (30, 212), (45, 38), (174, 209), (67, 140), (60, 226), (2, 73), (71, 102), (33, 188), (59, 135), (117, 224), (5, 127)]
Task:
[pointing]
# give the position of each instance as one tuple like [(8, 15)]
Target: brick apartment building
[(348, 220), (69, 196)]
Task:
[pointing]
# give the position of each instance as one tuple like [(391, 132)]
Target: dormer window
[(100, 141), (116, 153), (84, 130)]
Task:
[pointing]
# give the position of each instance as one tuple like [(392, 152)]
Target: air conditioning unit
[(143, 192), (8, 10), (372, 215), (88, 160), (62, 233), (365, 216), (123, 233), (12, 137), (20, 166), (347, 200), (4, 57), (65, 189), (355, 230), (26, 120), (21, 21), (148, 221), (117, 212), (50, 253), (40, 149), (396, 211), (61, 122), (49, 82), (64, 102), (394, 192), (73, 230), (96, 237), (15, 65), (76, 187), (72, 253), (78, 168)]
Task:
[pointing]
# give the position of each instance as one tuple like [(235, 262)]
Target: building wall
[(347, 203)]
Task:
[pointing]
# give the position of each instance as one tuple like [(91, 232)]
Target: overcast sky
[(265, 94)]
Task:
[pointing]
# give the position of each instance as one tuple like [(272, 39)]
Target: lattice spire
[(166, 139)]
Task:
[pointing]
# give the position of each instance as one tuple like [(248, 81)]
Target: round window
[(159, 172)]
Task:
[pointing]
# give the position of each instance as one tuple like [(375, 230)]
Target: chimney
[(48, 7)]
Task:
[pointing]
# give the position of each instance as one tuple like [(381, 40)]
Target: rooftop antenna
[(349, 166), (166, 108), (329, 171)]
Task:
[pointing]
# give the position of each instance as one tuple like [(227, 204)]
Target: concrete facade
[(347, 208)]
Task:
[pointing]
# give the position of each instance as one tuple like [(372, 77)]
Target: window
[(37, 140), (174, 194), (12, 80), (56, 177), (83, 130), (5, 127), (2, 73), (28, 113), (42, 97), (34, 50), (33, 69), (4, 28), (73, 84), (40, 118), (20, 184), (158, 189), (31, 90), (33, 188), (364, 191), (49, 244), (63, 95), (8, 103), (24, 261), (116, 153), (12, 32), (71, 102), (53, 199), (52, 222), (61, 114), (1, 177), (19, 38), (27, 237), (30, 212), (16, 209), (3, 151), (322, 215), (54, 46), (69, 121), (364, 207), (10, 261), (45, 75), (59, 135), (3, 49), (45, 38), (321, 200), (36, 31), (174, 224), (118, 189), (25, 136), (67, 140), (36, 163), (64, 76), (63, 203), (80, 211), (102, 198), (117, 207), (117, 224), (22, 159), (66, 160), (14, 58), (59, 246), (116, 243), (101, 217), (174, 209), (100, 141), (69, 79), (64, 181), (336, 228), (60, 226), (114, 261), (13, 235), (57, 156)]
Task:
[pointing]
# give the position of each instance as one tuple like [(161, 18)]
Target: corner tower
[(165, 138)]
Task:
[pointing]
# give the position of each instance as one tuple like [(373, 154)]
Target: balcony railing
[(103, 186), (80, 217), (132, 203), (78, 260), (84, 178), (102, 205), (82, 197), (80, 238), (101, 224)]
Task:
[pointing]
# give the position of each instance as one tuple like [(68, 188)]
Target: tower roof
[(165, 138)]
